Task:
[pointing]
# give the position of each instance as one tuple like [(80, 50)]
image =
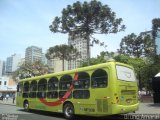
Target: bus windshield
[(125, 73)]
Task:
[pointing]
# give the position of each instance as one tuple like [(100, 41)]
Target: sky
[(24, 23)]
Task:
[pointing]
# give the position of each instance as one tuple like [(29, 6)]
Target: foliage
[(86, 19), (102, 58), (28, 70), (137, 46), (63, 52), (122, 58)]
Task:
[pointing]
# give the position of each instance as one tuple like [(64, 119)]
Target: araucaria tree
[(63, 52), (86, 19), (137, 46)]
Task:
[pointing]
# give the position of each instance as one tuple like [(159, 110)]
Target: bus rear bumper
[(122, 109)]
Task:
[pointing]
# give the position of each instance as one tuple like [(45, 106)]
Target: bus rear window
[(125, 73)]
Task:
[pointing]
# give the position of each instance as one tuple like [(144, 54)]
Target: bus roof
[(102, 65)]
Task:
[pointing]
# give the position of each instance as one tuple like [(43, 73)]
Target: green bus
[(99, 90)]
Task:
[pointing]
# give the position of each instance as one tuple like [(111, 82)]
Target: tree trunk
[(63, 64), (88, 50)]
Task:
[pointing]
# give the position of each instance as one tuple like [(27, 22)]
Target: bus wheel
[(68, 111), (26, 106)]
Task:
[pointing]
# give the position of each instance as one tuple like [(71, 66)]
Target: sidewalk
[(8, 102)]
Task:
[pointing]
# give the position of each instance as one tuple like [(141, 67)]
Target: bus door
[(100, 90)]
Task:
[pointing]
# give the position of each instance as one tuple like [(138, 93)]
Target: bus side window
[(33, 89), (64, 85), (42, 87), (83, 81), (53, 94), (52, 88), (81, 94), (25, 89), (53, 83), (65, 82), (19, 87), (99, 79), (33, 85)]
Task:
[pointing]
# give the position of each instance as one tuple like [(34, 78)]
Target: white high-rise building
[(81, 45), (33, 54), (1, 67), (12, 63)]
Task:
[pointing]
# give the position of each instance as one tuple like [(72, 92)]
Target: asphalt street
[(147, 111)]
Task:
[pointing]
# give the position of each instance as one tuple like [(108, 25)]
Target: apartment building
[(32, 54), (1, 68), (12, 63), (81, 45)]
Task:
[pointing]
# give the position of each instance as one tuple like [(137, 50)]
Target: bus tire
[(68, 111), (26, 106)]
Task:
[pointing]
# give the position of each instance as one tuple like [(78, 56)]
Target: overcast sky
[(25, 23)]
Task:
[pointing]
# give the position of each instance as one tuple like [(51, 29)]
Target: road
[(11, 112)]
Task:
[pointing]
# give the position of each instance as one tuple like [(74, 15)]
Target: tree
[(63, 52), (137, 46), (102, 58), (28, 70), (87, 19)]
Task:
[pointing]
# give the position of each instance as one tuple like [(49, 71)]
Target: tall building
[(157, 42), (57, 65), (12, 63), (157, 39), (1, 67), (33, 54), (81, 45), (4, 68)]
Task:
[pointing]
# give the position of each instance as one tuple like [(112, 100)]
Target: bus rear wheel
[(68, 111), (26, 106)]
